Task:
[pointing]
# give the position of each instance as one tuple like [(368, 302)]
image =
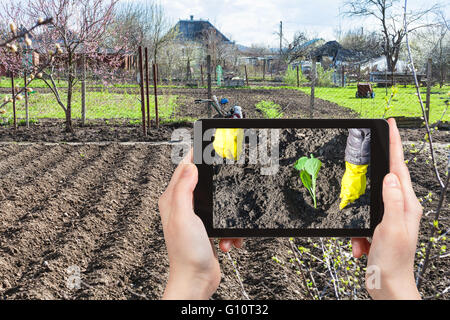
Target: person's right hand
[(392, 251)]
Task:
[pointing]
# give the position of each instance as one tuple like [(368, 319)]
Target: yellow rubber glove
[(228, 143), (353, 183)]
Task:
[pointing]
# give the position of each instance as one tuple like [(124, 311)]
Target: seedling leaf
[(300, 163), (309, 170), (306, 179), (313, 165)]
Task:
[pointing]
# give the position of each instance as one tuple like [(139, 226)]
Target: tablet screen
[(291, 178)]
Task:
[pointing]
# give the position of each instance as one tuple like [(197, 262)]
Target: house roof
[(195, 30)]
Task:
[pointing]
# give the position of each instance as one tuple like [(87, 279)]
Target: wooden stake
[(313, 84), (201, 72), (13, 91), (246, 75), (27, 114), (264, 70), (141, 73), (147, 88), (427, 106), (298, 77), (83, 90), (155, 84), (208, 70)]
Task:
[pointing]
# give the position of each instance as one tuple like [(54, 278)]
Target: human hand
[(194, 271), (392, 251)]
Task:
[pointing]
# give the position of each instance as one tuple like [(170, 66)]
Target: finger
[(183, 189), (360, 246), (188, 159), (238, 243), (399, 168), (397, 162), (226, 244), (393, 199)]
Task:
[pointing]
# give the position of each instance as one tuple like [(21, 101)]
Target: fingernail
[(391, 180)]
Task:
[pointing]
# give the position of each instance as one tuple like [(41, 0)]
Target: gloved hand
[(353, 183), (228, 143)]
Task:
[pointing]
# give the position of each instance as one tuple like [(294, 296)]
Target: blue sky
[(256, 21)]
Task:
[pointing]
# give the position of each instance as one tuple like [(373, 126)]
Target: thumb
[(183, 190), (393, 199)]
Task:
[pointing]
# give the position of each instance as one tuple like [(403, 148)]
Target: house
[(197, 31)]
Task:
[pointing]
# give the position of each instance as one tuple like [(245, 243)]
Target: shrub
[(290, 77), (324, 78)]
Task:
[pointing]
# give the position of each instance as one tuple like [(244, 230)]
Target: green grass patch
[(405, 102), (269, 109), (99, 105)]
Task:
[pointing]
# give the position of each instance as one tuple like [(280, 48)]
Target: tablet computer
[(290, 177)]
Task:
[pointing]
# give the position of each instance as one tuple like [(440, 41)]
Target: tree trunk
[(69, 96)]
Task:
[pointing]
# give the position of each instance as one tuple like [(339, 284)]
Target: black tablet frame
[(203, 197)]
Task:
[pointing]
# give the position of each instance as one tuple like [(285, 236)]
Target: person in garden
[(194, 270), (357, 158)]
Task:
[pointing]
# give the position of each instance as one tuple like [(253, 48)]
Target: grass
[(269, 109), (405, 102), (100, 105), (5, 82)]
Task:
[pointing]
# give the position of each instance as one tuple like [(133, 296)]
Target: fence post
[(141, 83), (155, 84), (83, 89), (427, 106), (342, 76), (147, 87), (246, 75), (201, 71), (208, 71), (298, 77), (264, 70), (27, 115), (313, 84), (13, 91)]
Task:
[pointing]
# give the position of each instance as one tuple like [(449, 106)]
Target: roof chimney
[(192, 17)]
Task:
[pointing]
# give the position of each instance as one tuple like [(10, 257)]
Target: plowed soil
[(93, 208)]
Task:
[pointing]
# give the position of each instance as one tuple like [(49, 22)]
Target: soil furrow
[(27, 248), (18, 157), (40, 166), (112, 264), (74, 243), (35, 191)]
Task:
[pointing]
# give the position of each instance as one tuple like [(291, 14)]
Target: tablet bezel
[(203, 195)]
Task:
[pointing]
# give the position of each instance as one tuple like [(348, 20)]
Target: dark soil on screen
[(243, 198)]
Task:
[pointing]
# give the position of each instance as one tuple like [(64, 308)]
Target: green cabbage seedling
[(309, 170)]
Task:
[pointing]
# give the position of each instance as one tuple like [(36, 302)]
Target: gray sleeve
[(357, 150)]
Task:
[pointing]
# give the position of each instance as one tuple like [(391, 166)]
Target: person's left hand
[(194, 271)]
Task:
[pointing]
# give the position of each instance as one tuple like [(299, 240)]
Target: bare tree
[(146, 24), (360, 41), (389, 17), (77, 29)]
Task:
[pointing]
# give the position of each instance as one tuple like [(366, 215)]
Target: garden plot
[(244, 198), (95, 207)]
